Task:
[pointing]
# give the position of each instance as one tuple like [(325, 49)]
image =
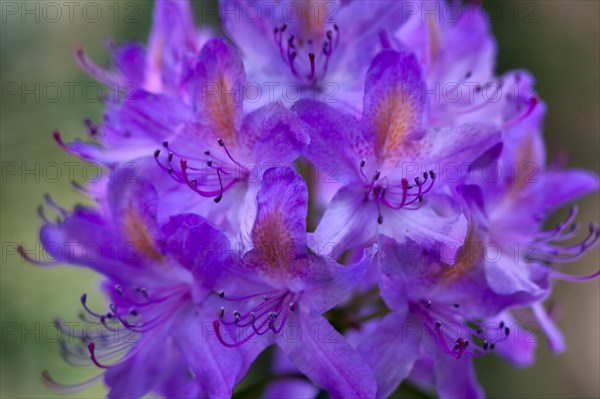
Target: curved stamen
[(576, 279), (68, 388)]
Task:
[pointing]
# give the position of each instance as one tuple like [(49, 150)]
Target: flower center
[(308, 50)]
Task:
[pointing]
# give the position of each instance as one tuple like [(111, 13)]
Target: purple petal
[(329, 128), (274, 135), (279, 231), (289, 388), (172, 36), (394, 102), (391, 350), (555, 337), (455, 378), (425, 226), (506, 276), (445, 149), (348, 221), (217, 84), (198, 246), (324, 356), (519, 348), (328, 283)]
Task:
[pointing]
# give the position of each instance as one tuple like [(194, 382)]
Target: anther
[(221, 293), (170, 157), (438, 324), (292, 307), (165, 143), (456, 305), (119, 289), (207, 152), (363, 162), (251, 317), (265, 297), (427, 304), (485, 345), (501, 326), (156, 153), (222, 312), (144, 292), (506, 331), (432, 174), (377, 174), (380, 219), (220, 142)]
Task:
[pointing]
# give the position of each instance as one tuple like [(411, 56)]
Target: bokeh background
[(558, 41)]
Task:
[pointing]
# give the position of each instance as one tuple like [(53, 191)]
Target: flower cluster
[(384, 223)]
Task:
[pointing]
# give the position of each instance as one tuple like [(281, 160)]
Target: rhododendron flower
[(386, 153), (320, 48), (159, 280), (422, 257), (279, 282)]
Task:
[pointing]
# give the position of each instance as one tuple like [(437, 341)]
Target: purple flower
[(442, 313), (233, 149), (455, 46), (387, 159), (281, 287), (155, 335), (319, 48), (462, 311), (209, 145), (160, 68)]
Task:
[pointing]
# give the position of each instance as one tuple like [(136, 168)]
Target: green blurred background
[(560, 45)]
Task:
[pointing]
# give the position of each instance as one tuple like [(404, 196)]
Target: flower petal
[(391, 350), (173, 34), (349, 221), (519, 348), (324, 356), (394, 102), (444, 234), (455, 378), (274, 135), (279, 230), (327, 283), (337, 145), (217, 83)]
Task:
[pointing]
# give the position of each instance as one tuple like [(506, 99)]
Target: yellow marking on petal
[(220, 106), (273, 240), (313, 18), (467, 258), (137, 233), (395, 116)]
